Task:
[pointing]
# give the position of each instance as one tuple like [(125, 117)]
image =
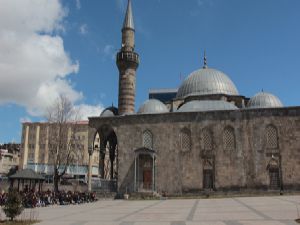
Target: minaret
[(127, 62)]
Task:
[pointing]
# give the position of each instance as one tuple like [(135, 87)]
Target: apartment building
[(37, 141)]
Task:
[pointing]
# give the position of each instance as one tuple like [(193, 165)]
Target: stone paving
[(280, 210)]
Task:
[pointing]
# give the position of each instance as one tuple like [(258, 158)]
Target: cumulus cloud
[(85, 111), (34, 66)]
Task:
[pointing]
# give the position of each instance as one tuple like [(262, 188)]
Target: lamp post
[(90, 151)]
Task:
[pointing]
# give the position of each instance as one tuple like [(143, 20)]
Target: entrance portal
[(274, 178), (208, 179), (144, 170), (274, 174), (147, 179), (208, 173)]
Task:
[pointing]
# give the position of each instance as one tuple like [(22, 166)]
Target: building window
[(148, 139), (271, 137), (207, 141), (228, 139), (185, 140)]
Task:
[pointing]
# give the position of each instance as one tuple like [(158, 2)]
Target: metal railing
[(128, 56), (102, 185)]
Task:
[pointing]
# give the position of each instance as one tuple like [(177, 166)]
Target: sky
[(68, 47)]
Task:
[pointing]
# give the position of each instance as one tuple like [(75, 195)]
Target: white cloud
[(34, 66), (25, 119), (86, 111), (78, 4), (83, 29)]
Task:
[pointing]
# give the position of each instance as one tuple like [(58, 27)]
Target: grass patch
[(19, 222)]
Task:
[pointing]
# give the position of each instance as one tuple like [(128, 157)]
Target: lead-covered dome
[(206, 105), (206, 81), (109, 112), (153, 106), (264, 100)]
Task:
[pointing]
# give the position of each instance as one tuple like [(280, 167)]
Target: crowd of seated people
[(32, 199)]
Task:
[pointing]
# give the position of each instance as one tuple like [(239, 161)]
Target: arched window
[(207, 140), (271, 137), (148, 139), (228, 139), (185, 140)]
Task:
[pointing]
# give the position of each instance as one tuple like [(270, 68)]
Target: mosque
[(203, 136)]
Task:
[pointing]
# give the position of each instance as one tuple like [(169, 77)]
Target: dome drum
[(206, 105)]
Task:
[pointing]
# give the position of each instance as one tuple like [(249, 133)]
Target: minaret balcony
[(124, 56)]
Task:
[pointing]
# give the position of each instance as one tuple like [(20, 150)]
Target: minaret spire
[(128, 21), (127, 62), (205, 61)]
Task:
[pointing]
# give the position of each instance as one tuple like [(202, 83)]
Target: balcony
[(128, 57)]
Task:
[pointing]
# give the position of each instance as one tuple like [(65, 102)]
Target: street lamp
[(90, 151)]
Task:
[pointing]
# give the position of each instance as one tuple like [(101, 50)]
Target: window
[(185, 140), (148, 139), (207, 141), (228, 139), (271, 137)]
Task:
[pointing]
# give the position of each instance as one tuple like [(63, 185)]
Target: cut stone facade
[(244, 166)]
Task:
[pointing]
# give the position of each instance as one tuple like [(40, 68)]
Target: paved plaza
[(277, 210)]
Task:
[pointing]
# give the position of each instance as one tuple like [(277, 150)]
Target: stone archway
[(108, 154)]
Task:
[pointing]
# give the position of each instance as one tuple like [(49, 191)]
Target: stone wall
[(244, 167)]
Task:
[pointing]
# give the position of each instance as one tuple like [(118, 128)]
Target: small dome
[(206, 105), (153, 106), (206, 81), (264, 100), (109, 112)]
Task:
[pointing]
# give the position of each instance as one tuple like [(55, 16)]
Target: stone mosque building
[(203, 136)]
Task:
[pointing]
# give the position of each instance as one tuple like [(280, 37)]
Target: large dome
[(206, 81), (206, 105), (264, 100), (153, 106)]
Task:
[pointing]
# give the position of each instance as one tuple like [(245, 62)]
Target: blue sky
[(256, 43)]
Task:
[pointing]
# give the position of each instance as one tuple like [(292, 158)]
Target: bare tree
[(63, 144)]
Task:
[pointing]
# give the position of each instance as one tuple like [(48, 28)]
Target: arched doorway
[(208, 174), (144, 170), (274, 174), (106, 139)]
